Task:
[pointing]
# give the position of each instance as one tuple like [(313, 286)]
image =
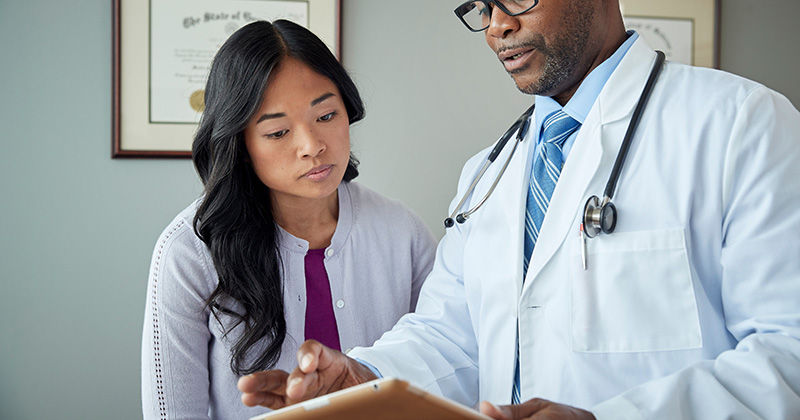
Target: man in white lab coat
[(689, 309)]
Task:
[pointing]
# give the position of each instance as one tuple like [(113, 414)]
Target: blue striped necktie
[(556, 128)]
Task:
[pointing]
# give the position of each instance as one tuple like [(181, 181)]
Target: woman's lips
[(319, 173)]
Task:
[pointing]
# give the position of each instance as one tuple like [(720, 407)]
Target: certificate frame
[(133, 134), (704, 16)]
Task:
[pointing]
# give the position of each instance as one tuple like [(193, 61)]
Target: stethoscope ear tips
[(460, 218)]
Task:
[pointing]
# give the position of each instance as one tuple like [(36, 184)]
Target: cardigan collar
[(346, 220)]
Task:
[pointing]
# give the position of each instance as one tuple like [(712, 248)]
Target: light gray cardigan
[(379, 257)]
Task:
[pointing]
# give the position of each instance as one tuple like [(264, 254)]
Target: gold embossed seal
[(196, 100)]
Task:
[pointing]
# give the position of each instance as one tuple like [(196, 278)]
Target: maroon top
[(320, 320)]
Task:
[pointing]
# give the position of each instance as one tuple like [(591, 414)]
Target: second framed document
[(686, 30), (162, 53)]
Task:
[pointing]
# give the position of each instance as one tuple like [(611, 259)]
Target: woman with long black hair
[(282, 246)]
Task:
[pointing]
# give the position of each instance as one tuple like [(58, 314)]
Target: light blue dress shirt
[(581, 103)]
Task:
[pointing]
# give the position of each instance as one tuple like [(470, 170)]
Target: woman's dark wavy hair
[(234, 218)]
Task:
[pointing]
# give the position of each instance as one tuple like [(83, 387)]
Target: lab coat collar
[(622, 91)]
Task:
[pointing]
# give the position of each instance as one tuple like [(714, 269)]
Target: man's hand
[(535, 409), (320, 371)]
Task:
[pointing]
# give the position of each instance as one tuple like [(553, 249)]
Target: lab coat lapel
[(514, 195), (589, 164)]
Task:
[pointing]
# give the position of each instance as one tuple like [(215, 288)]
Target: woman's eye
[(327, 117), (277, 134)]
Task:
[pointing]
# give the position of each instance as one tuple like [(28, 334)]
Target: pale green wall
[(77, 228), (760, 42)]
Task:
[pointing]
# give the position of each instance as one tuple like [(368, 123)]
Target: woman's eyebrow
[(323, 97), (317, 101), (270, 116)]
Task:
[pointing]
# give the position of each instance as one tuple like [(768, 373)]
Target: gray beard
[(554, 75)]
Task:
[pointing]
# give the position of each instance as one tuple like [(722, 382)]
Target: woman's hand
[(320, 371)]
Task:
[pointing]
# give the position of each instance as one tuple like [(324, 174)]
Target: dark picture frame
[(654, 19)]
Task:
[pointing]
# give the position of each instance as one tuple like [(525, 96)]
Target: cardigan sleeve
[(175, 372), (424, 252)]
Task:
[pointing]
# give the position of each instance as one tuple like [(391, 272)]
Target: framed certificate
[(686, 30), (162, 52)]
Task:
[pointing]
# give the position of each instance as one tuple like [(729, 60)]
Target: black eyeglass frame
[(460, 11)]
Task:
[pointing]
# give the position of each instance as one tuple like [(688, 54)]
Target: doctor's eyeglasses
[(477, 15)]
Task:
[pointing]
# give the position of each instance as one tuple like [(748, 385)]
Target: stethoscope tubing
[(465, 215), (521, 127), (637, 116)]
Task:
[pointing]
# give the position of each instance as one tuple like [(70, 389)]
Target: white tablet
[(381, 399)]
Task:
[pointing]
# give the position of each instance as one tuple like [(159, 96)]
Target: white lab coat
[(690, 309)]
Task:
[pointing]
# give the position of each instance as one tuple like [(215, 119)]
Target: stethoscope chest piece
[(602, 216), (599, 217)]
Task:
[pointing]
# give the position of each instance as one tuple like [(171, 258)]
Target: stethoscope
[(598, 216)]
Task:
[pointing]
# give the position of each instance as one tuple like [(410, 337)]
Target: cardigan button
[(340, 304), (329, 252)]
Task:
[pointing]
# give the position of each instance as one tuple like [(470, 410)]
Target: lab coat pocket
[(636, 294)]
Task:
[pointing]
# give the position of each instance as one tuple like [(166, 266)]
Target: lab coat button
[(329, 252), (340, 304)]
